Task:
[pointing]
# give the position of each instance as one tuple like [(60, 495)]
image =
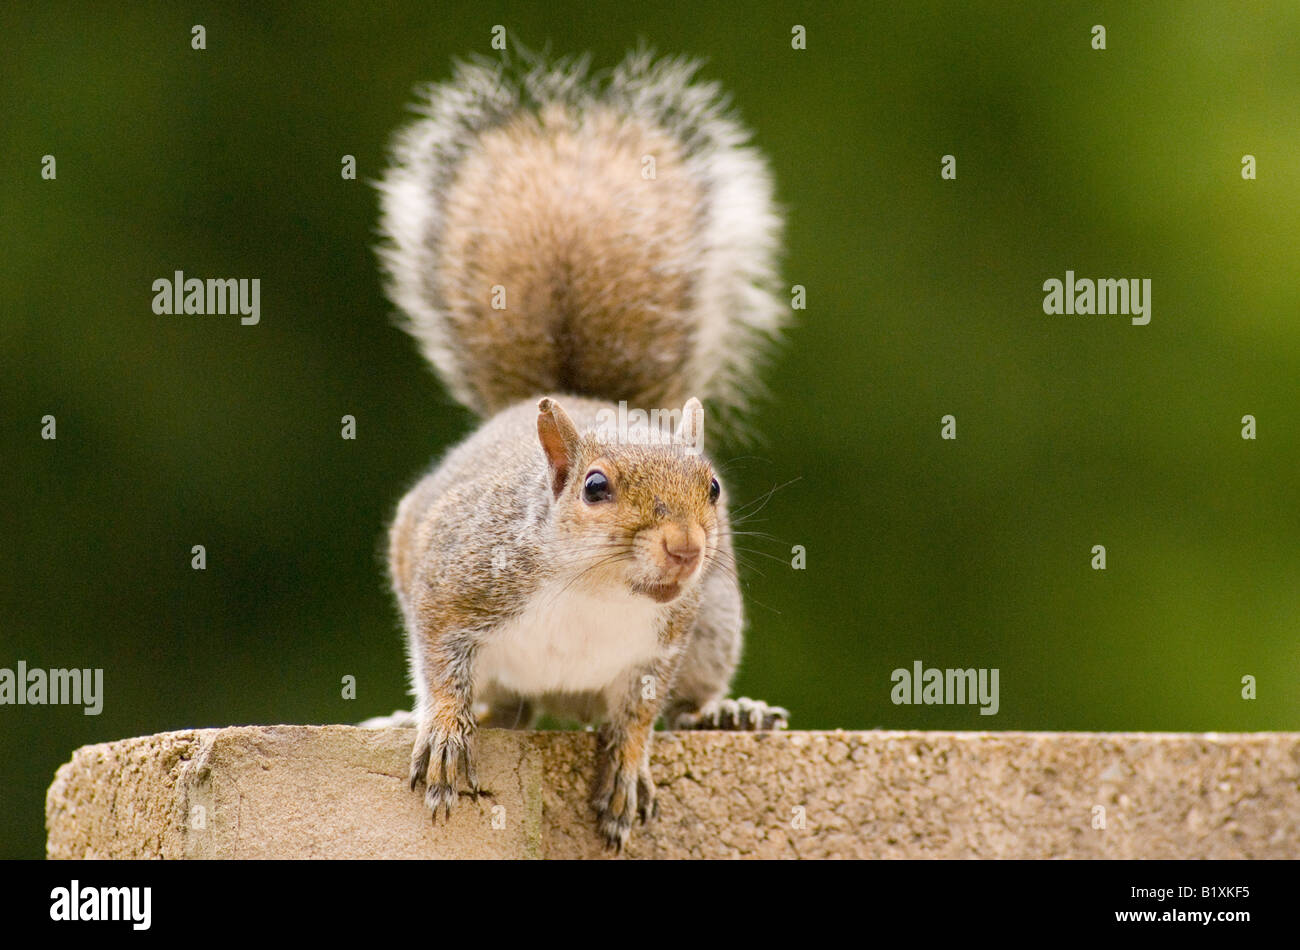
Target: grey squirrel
[(564, 246)]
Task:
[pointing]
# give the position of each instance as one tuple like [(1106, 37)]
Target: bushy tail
[(552, 231)]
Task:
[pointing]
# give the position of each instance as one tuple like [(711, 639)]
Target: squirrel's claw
[(647, 804), (419, 763), (443, 756), (467, 768), (735, 715)]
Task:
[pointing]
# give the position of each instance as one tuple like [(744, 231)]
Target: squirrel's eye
[(595, 487), (715, 490)]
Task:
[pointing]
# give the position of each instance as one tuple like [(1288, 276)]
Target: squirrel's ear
[(559, 438), (691, 431)]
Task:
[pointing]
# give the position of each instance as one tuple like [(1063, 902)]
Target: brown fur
[(598, 264)]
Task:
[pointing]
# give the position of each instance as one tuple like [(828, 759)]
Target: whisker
[(763, 499)]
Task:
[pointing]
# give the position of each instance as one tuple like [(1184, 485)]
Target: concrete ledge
[(340, 792)]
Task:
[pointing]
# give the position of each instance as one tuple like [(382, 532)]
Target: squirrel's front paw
[(444, 756), (620, 795), (737, 715)]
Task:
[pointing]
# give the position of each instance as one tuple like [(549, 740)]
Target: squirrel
[(563, 245)]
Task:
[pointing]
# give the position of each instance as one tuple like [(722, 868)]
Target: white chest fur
[(570, 641)]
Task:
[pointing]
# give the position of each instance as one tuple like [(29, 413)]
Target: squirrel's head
[(642, 508)]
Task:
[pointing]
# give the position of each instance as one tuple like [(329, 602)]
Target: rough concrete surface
[(341, 792)]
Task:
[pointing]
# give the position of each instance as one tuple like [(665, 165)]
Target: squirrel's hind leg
[(699, 693)]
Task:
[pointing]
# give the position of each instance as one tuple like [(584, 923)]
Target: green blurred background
[(924, 299)]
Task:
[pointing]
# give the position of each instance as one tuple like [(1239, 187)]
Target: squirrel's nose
[(682, 556), (682, 548)]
